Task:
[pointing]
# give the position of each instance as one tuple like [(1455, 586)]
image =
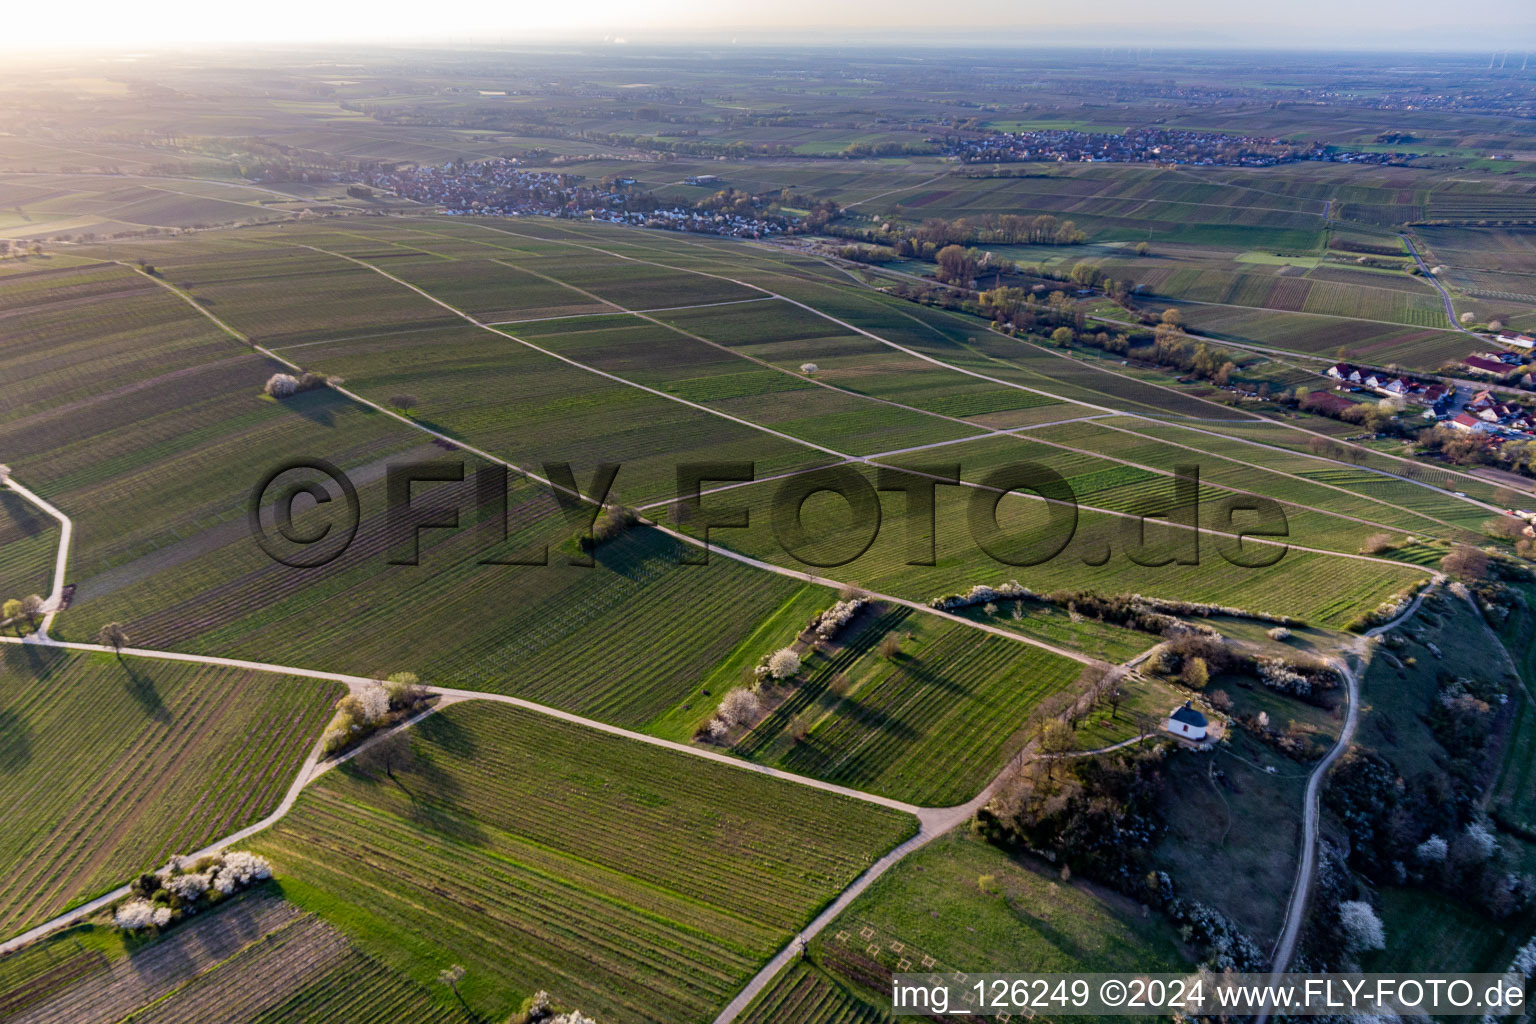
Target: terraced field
[(883, 725), (627, 880), (110, 767)]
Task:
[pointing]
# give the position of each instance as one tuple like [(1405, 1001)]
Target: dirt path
[(1296, 907)]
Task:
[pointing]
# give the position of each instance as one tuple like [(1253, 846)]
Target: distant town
[(501, 187), (1156, 145)]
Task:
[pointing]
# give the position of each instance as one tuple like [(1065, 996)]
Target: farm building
[(1331, 404), (1186, 722), (1479, 364)]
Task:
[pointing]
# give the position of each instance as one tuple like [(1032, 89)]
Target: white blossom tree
[(134, 914), (1362, 928), (282, 385), (784, 663), (375, 701), (740, 706)]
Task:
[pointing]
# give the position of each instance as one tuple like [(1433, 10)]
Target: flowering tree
[(282, 385), (1362, 928), (784, 663), (740, 706), (374, 700), (134, 914)]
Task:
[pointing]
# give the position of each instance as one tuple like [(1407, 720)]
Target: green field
[(626, 880), (110, 767), (959, 904)]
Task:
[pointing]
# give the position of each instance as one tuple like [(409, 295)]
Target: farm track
[(1296, 906)]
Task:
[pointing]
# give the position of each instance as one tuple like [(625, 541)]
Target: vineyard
[(112, 766), (256, 960), (627, 880), (890, 725), (29, 541), (804, 994)]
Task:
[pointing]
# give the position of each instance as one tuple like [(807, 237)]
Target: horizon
[(1353, 26)]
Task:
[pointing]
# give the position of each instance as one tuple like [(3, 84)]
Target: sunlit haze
[(1477, 25)]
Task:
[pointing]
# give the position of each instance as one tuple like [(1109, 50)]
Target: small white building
[(1186, 723)]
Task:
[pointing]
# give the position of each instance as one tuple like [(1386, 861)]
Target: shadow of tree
[(141, 687)]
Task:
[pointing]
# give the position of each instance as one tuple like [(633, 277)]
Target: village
[(500, 187), (1155, 145)]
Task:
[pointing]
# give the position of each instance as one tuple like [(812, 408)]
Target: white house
[(1186, 722)]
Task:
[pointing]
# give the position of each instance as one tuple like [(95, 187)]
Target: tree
[(956, 265), (451, 976), (1114, 697), (282, 385), (890, 646), (1362, 928), (1465, 562), (32, 607), (1143, 249), (740, 706), (404, 689), (1062, 337), (114, 636), (404, 403), (10, 610), (1171, 318), (1196, 673), (1467, 317), (1056, 739), (784, 663)]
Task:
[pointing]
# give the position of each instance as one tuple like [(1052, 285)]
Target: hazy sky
[(1327, 24)]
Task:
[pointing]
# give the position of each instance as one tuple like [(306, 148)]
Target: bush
[(404, 689), (165, 897), (1280, 633)]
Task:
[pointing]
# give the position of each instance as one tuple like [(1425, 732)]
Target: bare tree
[(405, 403), (391, 754), (1055, 740)]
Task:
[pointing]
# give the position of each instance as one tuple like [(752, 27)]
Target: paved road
[(1296, 907), (1445, 296)]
